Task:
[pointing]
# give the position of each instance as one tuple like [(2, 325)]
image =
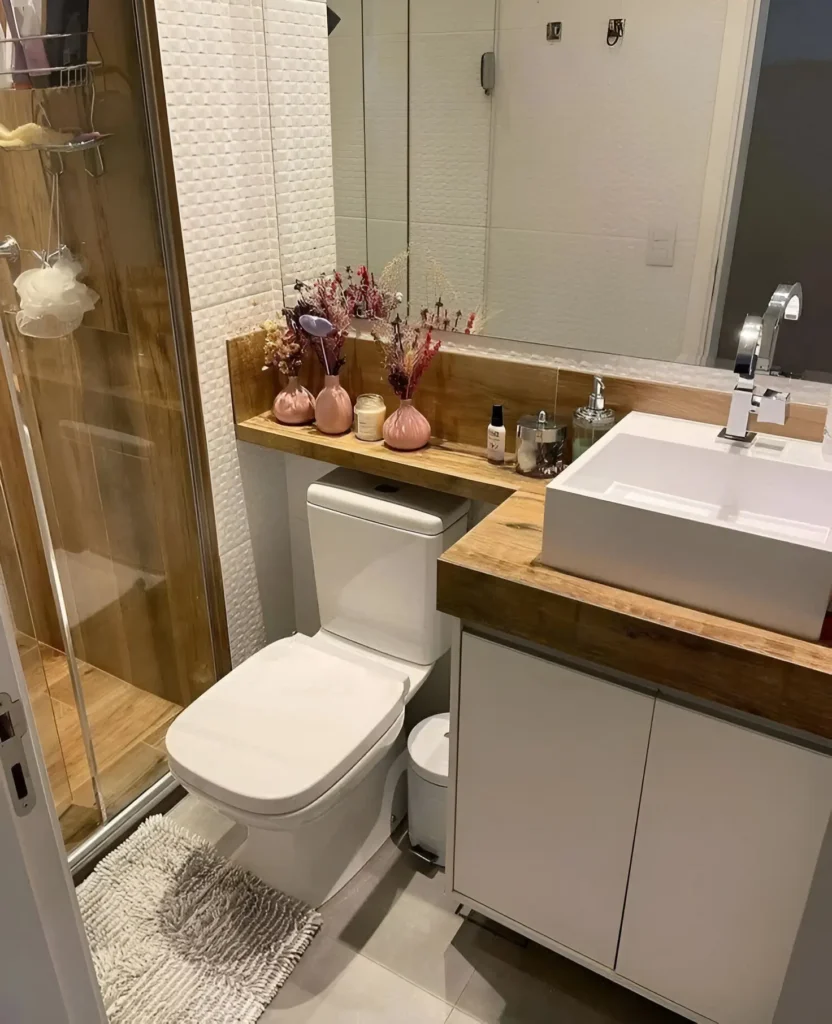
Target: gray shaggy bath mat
[(180, 935)]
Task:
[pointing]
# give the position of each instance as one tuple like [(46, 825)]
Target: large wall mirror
[(617, 176)]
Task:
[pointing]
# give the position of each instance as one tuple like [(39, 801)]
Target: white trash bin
[(428, 751)]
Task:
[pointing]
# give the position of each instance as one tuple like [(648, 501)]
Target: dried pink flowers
[(285, 347), (324, 299), (370, 300), (407, 351)]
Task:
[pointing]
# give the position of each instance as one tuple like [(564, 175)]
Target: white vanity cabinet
[(729, 831), (550, 764)]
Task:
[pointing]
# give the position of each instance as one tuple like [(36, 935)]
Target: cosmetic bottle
[(496, 436), (591, 421)]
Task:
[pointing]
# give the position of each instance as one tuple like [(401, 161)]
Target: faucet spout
[(757, 344), (786, 303)]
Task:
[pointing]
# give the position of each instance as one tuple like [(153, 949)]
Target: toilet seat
[(354, 776), (283, 729)]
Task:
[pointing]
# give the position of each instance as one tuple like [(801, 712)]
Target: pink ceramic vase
[(294, 405), (406, 429), (333, 407)]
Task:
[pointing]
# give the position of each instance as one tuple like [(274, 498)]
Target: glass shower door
[(130, 638)]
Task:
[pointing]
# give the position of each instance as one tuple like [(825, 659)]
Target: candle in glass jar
[(370, 414)]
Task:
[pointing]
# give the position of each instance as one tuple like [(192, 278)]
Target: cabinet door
[(550, 763), (729, 833)]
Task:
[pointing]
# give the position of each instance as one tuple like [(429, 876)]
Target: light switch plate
[(661, 245)]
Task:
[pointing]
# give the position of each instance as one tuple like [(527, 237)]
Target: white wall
[(592, 146), (538, 201), (247, 91)]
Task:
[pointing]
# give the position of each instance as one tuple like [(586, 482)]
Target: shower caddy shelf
[(74, 76)]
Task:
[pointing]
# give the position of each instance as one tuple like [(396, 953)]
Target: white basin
[(664, 507)]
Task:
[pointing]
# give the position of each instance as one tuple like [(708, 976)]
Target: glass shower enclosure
[(106, 544)]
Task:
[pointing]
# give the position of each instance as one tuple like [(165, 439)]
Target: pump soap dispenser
[(591, 421)]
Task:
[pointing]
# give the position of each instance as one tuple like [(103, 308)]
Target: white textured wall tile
[(351, 241), (214, 65), (386, 239), (450, 128), (247, 89), (213, 57), (297, 57), (460, 251), (385, 100), (212, 328)]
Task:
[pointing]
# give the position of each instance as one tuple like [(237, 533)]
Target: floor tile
[(200, 818), (514, 984), (396, 913), (458, 1017), (120, 716), (334, 985)]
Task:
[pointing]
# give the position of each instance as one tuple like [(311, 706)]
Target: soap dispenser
[(591, 421)]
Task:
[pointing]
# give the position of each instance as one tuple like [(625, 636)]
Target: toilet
[(303, 743)]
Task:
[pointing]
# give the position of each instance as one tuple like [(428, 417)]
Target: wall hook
[(615, 30)]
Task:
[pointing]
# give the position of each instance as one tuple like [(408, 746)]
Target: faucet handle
[(773, 407)]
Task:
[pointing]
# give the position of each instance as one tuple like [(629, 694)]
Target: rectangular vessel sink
[(664, 507)]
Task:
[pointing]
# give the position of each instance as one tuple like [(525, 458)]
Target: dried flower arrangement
[(406, 350), (285, 347), (326, 313), (428, 285), (370, 301), (284, 350)]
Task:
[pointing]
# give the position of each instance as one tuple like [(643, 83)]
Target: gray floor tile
[(203, 820), (334, 985), (512, 984), (396, 913)]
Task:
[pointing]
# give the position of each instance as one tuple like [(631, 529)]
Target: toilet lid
[(282, 728)]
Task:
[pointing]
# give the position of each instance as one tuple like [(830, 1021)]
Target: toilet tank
[(375, 544)]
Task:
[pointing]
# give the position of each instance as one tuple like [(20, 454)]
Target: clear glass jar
[(370, 413)]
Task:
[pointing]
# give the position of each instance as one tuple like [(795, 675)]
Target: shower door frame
[(46, 968)]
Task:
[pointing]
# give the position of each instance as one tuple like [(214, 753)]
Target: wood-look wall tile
[(626, 395)]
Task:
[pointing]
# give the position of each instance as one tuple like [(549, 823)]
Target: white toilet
[(304, 742)]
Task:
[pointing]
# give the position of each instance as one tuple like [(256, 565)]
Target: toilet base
[(314, 861)]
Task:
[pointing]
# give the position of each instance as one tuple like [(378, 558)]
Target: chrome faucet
[(758, 342), (9, 250)]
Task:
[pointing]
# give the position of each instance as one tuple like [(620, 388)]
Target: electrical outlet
[(661, 245)]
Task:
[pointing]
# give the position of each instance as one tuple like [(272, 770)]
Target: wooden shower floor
[(128, 727)]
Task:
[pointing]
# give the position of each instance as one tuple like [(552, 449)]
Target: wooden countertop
[(442, 466), (491, 578)]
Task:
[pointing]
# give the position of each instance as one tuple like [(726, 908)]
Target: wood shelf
[(442, 466)]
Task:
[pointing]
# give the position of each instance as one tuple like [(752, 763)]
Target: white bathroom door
[(46, 972)]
